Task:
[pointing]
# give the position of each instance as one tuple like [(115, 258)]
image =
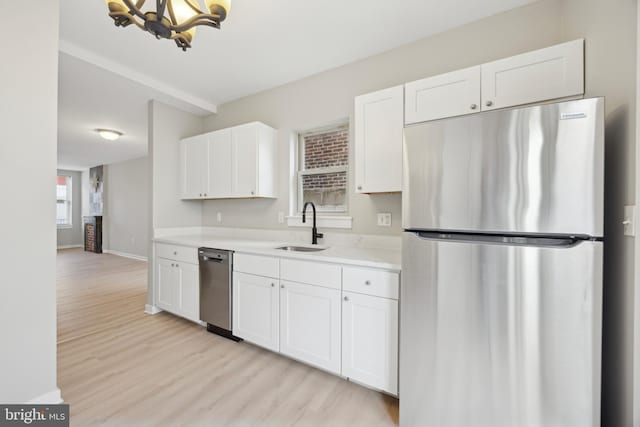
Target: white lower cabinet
[(342, 319), (166, 275), (178, 288), (370, 340), (189, 291), (310, 324), (256, 309)]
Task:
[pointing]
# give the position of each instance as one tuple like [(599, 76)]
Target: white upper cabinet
[(238, 162), (378, 145), (550, 73), (541, 75), (446, 95), (219, 164), (253, 161), (193, 167)]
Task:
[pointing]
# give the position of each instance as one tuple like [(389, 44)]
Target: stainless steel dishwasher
[(216, 294)]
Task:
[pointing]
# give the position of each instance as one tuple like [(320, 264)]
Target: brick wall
[(326, 150)]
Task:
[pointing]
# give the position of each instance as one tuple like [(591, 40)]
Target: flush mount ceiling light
[(170, 19), (108, 134)]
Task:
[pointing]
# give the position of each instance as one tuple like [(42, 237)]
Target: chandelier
[(170, 19)]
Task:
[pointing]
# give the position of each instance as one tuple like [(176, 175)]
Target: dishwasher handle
[(221, 257), (206, 258)]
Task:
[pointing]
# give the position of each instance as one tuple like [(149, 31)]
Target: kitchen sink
[(300, 249)]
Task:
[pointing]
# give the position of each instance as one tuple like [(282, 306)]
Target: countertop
[(389, 259)]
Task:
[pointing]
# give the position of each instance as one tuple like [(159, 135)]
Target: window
[(323, 158), (63, 201)]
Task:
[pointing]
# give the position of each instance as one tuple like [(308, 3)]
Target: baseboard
[(70, 246), (151, 309), (52, 398), (126, 255)]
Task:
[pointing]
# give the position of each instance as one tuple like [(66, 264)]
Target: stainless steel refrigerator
[(501, 314)]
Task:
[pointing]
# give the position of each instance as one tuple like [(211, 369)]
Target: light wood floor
[(120, 367)]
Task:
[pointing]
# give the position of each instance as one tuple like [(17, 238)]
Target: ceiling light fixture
[(170, 19), (108, 134)]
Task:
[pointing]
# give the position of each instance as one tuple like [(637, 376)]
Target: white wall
[(127, 216), (28, 119), (327, 97), (72, 236)]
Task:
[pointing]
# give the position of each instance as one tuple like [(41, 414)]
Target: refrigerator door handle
[(515, 240)]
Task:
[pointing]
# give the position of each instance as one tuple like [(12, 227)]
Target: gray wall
[(28, 119), (609, 28), (127, 207), (327, 97), (73, 236), (167, 126)]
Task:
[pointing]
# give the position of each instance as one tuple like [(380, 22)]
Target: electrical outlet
[(219, 216), (384, 220), (629, 221), (281, 217)]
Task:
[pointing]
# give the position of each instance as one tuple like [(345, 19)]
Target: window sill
[(64, 226), (324, 221)]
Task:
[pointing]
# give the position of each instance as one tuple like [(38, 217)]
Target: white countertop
[(365, 257)]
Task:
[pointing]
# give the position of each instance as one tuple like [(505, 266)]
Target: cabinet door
[(370, 341), (446, 95), (167, 285), (255, 310), (193, 167), (219, 164), (379, 120), (553, 72), (310, 324), (189, 291), (244, 161)]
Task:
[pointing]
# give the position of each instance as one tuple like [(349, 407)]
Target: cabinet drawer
[(177, 253), (256, 264), (367, 281), (313, 273)]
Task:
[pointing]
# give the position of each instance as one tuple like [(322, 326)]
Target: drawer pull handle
[(175, 252), (273, 285), (346, 298), (281, 286), (367, 282), (173, 265)]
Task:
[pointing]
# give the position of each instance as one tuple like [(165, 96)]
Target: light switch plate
[(219, 217), (281, 217), (629, 221), (384, 220)]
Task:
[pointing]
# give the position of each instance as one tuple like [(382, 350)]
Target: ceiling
[(91, 98), (262, 44)]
